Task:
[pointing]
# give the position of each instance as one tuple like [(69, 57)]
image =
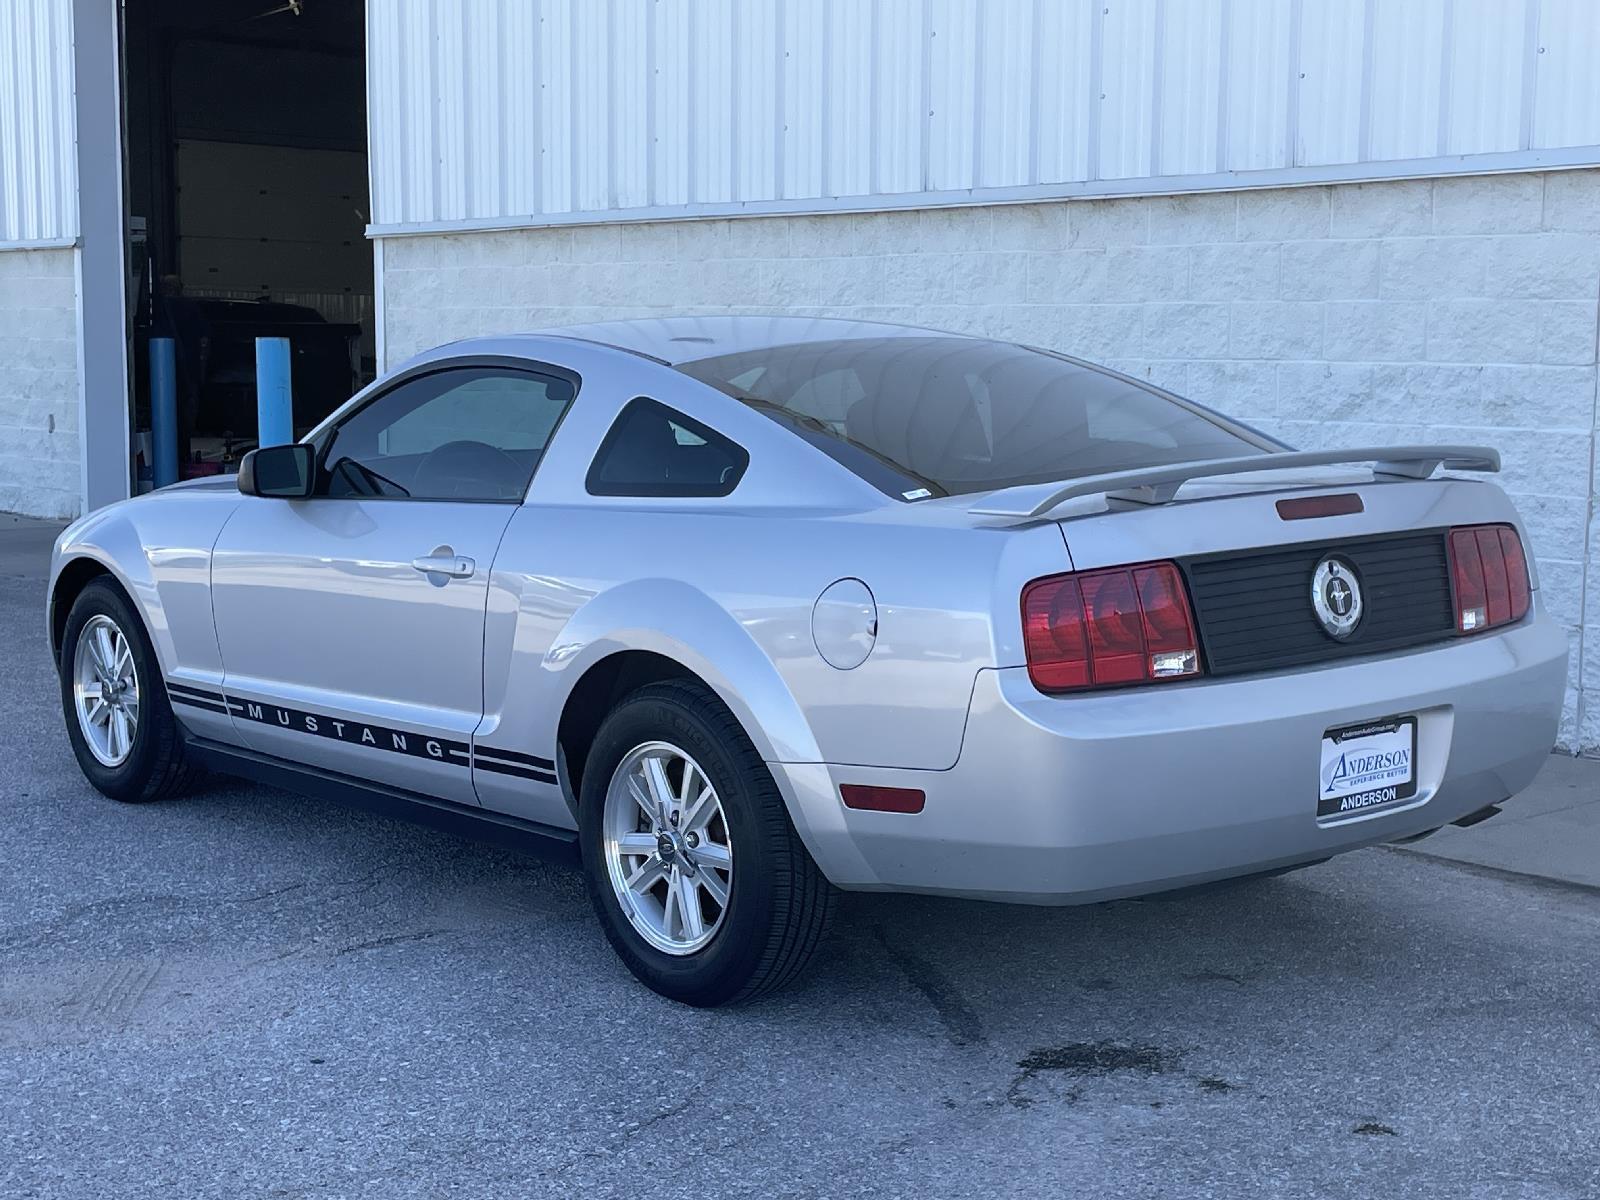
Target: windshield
[(919, 416)]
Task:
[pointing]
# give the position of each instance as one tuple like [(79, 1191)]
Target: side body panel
[(729, 595), (726, 587), (339, 653)]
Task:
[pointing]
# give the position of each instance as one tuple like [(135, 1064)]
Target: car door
[(350, 623)]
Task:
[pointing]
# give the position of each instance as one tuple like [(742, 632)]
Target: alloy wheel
[(667, 848), (105, 689)]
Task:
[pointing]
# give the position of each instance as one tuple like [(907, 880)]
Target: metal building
[(1347, 220), (505, 113)]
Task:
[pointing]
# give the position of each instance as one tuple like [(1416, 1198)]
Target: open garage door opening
[(246, 146)]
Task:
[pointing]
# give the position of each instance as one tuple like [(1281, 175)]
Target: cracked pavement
[(246, 993)]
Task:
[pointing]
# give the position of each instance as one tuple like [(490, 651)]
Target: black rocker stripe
[(487, 764), (364, 733), (516, 756), (341, 729), (193, 697), (188, 690), (356, 733), (215, 706)]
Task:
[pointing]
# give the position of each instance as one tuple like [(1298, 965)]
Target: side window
[(463, 433), (653, 450)]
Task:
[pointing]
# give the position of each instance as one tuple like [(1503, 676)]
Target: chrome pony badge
[(1336, 597)]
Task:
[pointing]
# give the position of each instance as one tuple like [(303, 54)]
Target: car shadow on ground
[(958, 958)]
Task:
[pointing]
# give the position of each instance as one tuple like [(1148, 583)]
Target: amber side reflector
[(881, 799), (1302, 507)]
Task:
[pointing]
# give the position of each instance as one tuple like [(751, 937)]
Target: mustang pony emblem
[(1336, 597)]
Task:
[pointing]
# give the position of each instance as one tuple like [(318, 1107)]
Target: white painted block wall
[(39, 467), (1460, 309)]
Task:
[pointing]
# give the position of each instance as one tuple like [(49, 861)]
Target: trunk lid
[(1250, 572)]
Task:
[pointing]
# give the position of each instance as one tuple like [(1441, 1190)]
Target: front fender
[(158, 548), (108, 540)]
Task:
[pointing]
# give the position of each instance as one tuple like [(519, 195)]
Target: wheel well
[(74, 577), (596, 694)]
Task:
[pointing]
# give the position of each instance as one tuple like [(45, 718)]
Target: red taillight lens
[(1109, 628), (1055, 635), (1490, 575), (1116, 631), (1516, 572)]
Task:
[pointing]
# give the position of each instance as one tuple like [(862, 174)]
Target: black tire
[(155, 767), (779, 904)]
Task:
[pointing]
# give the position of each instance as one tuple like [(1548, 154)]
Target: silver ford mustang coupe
[(743, 610)]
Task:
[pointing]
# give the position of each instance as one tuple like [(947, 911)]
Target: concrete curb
[(1551, 831)]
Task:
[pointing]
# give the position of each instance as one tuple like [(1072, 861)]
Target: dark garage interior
[(247, 201)]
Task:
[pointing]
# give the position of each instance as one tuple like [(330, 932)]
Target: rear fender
[(677, 621), (673, 619)]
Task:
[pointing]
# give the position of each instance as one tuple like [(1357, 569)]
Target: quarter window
[(466, 433), (653, 450)]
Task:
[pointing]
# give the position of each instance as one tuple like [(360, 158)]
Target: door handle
[(445, 562)]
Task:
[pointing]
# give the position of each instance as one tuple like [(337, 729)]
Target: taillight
[(1490, 576), (1111, 628)]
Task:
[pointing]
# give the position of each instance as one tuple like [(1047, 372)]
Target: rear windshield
[(922, 416)]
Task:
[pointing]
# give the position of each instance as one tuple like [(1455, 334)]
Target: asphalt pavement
[(245, 993)]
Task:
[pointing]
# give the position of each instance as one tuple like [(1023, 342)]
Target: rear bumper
[(1069, 800)]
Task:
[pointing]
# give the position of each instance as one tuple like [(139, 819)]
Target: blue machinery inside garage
[(274, 401)]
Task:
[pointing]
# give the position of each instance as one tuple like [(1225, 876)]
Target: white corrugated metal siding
[(38, 167), (525, 111)]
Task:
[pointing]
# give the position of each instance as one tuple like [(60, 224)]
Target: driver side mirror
[(282, 472)]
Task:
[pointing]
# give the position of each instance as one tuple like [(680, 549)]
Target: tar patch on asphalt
[(1084, 1060), (1099, 1058)]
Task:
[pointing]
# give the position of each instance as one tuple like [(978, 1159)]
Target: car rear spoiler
[(1159, 485)]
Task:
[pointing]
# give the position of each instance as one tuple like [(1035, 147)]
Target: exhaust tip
[(1473, 818)]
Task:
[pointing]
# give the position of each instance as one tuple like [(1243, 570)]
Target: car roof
[(676, 340)]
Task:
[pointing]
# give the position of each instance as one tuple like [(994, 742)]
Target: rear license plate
[(1365, 766)]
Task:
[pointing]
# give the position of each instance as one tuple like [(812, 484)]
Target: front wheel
[(123, 733), (696, 872)]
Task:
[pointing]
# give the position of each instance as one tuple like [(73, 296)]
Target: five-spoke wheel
[(667, 849), (105, 689), (119, 719), (673, 794)]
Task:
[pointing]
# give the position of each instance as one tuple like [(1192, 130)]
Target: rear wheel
[(701, 883), (120, 724)]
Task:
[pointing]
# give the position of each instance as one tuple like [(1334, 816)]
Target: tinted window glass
[(653, 450), (468, 433), (953, 415)]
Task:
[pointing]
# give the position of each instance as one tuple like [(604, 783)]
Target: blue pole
[(164, 411), (274, 399)]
